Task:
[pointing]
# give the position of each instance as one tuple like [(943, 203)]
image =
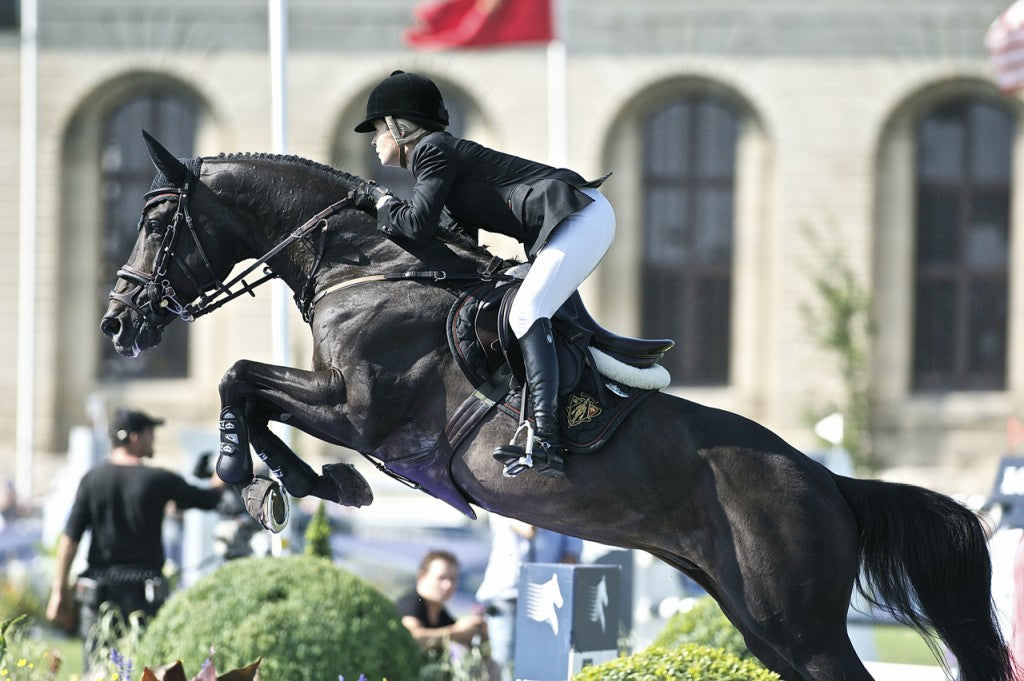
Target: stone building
[(758, 149)]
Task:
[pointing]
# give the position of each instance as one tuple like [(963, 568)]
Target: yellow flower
[(22, 662), (114, 676)]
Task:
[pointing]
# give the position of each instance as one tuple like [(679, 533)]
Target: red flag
[(480, 23), (1005, 42)]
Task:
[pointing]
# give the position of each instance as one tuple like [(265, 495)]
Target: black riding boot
[(541, 361)]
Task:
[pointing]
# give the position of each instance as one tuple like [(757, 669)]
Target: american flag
[(1005, 42)]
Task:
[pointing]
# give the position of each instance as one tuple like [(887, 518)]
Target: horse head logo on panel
[(542, 602)]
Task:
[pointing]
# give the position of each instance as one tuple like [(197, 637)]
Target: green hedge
[(306, 618), (690, 662), (704, 624)]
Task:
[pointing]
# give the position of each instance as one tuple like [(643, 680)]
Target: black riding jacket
[(483, 189)]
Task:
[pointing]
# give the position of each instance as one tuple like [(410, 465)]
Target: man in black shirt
[(122, 501)]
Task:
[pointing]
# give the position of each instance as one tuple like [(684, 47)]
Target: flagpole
[(29, 95), (277, 22), (557, 82), (278, 30)]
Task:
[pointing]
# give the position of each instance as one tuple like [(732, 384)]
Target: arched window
[(689, 166), (10, 19), (962, 250), (127, 173)]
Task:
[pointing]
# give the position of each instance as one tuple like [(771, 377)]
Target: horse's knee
[(236, 375)]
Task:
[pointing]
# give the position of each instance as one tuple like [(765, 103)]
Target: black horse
[(778, 540)]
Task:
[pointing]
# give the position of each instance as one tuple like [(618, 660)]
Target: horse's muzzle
[(113, 328), (130, 331)]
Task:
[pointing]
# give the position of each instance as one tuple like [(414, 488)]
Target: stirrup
[(516, 458)]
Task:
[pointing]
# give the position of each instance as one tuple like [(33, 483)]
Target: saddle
[(481, 340), (603, 378)]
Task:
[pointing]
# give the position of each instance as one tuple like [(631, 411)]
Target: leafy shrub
[(318, 534), (705, 624), (306, 618), (18, 598), (690, 662)]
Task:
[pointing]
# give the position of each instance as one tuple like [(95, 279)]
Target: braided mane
[(297, 160)]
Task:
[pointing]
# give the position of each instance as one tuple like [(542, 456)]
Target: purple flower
[(122, 664)]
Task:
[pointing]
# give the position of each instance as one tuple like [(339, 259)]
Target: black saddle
[(482, 341)]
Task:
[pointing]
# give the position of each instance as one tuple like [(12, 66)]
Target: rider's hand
[(367, 196)]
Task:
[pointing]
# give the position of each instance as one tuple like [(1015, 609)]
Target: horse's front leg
[(252, 395)]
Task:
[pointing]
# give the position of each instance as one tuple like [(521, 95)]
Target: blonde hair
[(404, 131)]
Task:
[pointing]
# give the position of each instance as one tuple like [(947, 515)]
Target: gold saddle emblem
[(582, 408)]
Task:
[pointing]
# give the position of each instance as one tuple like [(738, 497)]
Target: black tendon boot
[(541, 361)]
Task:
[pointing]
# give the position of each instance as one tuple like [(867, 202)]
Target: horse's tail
[(924, 560)]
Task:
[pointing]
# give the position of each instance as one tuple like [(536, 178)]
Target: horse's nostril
[(110, 326)]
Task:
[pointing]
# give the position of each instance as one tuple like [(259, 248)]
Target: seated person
[(423, 610)]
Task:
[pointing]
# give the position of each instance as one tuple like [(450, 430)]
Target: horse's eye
[(154, 226)]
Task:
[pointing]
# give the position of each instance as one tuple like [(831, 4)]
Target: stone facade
[(828, 93)]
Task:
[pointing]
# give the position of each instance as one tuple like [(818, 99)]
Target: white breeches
[(571, 253)]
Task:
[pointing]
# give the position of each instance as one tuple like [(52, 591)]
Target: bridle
[(162, 302)]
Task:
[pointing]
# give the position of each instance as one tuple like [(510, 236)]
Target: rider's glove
[(366, 195)]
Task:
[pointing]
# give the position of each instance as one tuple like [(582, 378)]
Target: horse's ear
[(165, 162)]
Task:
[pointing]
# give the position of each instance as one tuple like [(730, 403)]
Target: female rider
[(564, 223)]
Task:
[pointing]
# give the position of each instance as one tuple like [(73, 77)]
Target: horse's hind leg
[(760, 648), (785, 571), (793, 637)]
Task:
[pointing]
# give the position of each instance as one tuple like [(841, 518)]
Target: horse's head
[(168, 267)]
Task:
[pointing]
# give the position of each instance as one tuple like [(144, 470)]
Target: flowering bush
[(690, 662), (20, 658)]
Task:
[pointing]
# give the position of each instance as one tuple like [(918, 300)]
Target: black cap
[(128, 421)]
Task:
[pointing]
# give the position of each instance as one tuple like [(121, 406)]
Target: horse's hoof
[(267, 503), (349, 487)]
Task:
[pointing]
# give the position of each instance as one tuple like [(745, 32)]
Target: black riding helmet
[(406, 95)]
